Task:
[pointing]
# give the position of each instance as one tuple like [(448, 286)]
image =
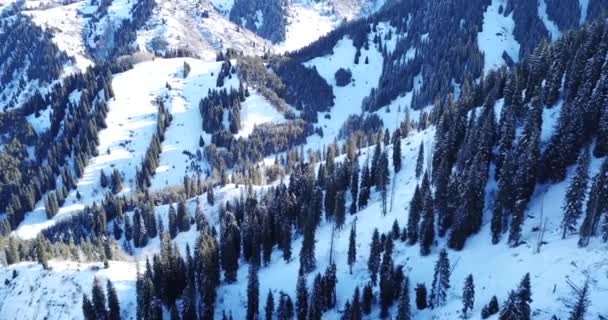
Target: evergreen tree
[(352, 247), (172, 222), (373, 264), (420, 160), (269, 309), (413, 220), (355, 308), (285, 309), (368, 297), (340, 209), (210, 196), (509, 311), (468, 296), (317, 299), (427, 228), (301, 297), (524, 296), (421, 300), (116, 181), (601, 145), (230, 242), (403, 311), (365, 187), (490, 309), (307, 252), (441, 280), (99, 300), (253, 293), (397, 150), (88, 310), (103, 179), (573, 206), (113, 303), (354, 186), (596, 204), (579, 309), (183, 220)]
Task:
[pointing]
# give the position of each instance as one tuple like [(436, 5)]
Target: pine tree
[(317, 299), (596, 204), (230, 243), (387, 285), (210, 196), (269, 309), (403, 311), (354, 186), (524, 297), (468, 296), (88, 310), (490, 309), (103, 180), (373, 264), (365, 187), (579, 309), (116, 181), (441, 280), (113, 303), (307, 252), (340, 209), (509, 311), (301, 297), (183, 220), (601, 145), (99, 300), (421, 300), (573, 206), (427, 230), (397, 150), (368, 297), (253, 293), (352, 247), (413, 220), (420, 160), (172, 222), (41, 254), (285, 309)]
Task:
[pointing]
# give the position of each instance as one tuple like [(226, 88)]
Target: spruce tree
[(354, 186), (317, 299), (301, 297), (210, 196), (269, 308), (352, 247), (183, 220), (172, 222), (368, 297), (403, 311), (103, 179), (340, 209), (307, 252), (427, 230), (99, 300), (468, 296), (253, 293), (509, 311), (88, 311), (420, 160), (397, 150), (373, 263), (441, 280), (573, 206), (579, 309), (113, 303), (490, 309), (596, 204), (421, 299), (413, 219), (285, 309), (230, 243)]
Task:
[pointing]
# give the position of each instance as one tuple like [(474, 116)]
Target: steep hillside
[(422, 160)]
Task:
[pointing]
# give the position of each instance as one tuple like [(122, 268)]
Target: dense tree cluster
[(151, 159), (266, 18)]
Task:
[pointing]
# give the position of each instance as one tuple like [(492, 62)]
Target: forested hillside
[(431, 160)]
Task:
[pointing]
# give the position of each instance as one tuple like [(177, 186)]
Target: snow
[(41, 123), (554, 32), (347, 99), (223, 6), (37, 294), (257, 110), (67, 26), (497, 37), (181, 25), (584, 4), (306, 23)]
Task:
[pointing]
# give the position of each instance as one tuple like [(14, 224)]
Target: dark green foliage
[(468, 296), (441, 281), (269, 308), (573, 201), (421, 299), (403, 310), (373, 263), (352, 247), (343, 77), (253, 293), (113, 303), (490, 309)]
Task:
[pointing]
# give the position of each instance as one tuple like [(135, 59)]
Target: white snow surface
[(497, 37), (306, 23), (554, 32)]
